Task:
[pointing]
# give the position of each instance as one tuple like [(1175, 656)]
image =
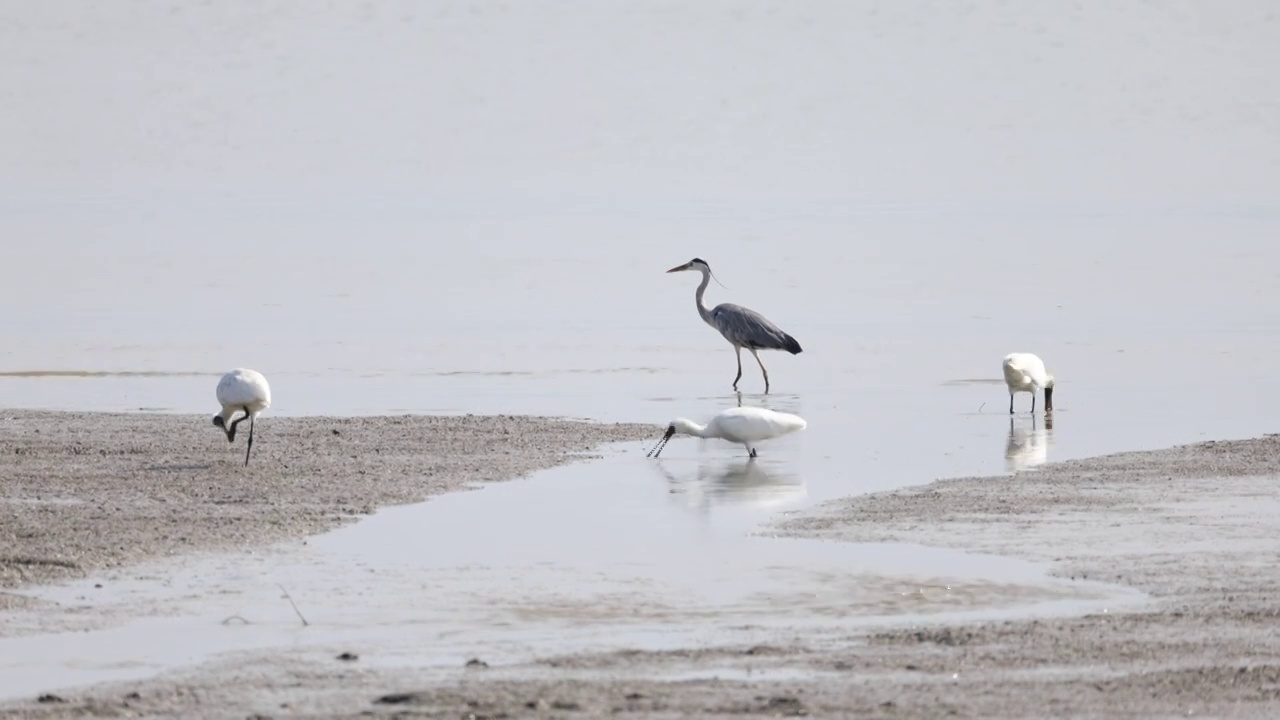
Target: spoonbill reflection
[(1024, 372), (1028, 448), (746, 425), (743, 328), (736, 483), (245, 390)]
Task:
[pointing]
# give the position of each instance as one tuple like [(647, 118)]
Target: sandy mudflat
[(85, 491), (1197, 527)]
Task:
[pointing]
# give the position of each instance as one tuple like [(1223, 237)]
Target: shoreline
[(1195, 527), (87, 491)]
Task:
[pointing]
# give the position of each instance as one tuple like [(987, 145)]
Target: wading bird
[(1024, 372), (241, 389), (743, 328), (746, 425)]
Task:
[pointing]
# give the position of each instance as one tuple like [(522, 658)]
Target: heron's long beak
[(678, 268), (657, 449)]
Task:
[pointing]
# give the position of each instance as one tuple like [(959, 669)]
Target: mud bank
[(1196, 527), (86, 491)]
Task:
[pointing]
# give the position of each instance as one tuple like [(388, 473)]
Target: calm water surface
[(903, 336), (469, 209), (1153, 325)]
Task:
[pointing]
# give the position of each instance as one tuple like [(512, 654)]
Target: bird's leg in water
[(753, 453), (738, 350), (756, 355), (1033, 401), (1010, 403), (248, 449)]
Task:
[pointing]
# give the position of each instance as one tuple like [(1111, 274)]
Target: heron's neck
[(702, 290)]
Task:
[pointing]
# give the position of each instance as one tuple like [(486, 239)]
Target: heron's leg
[(250, 444), (1033, 401), (1010, 403), (738, 349), (753, 453), (756, 355)]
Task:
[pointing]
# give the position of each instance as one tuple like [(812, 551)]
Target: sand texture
[(1195, 527), (85, 491)]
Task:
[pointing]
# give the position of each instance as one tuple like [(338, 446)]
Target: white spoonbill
[(1024, 372), (245, 390), (746, 425), (743, 328)]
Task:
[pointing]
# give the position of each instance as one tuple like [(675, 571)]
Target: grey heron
[(743, 328), (240, 390)]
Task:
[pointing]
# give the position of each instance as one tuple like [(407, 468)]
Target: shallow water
[(518, 571), (469, 209)]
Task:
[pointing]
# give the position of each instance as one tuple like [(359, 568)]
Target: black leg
[(1010, 403), (738, 377), (753, 452), (1033, 402), (248, 449)]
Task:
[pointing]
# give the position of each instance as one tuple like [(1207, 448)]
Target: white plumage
[(1025, 372), (745, 425), (241, 390)]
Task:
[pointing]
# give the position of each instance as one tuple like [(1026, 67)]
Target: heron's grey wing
[(750, 329)]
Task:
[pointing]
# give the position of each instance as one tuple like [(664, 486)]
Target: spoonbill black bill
[(1024, 372), (746, 425), (241, 390), (743, 328)]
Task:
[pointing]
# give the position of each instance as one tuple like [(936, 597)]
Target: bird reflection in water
[(736, 483), (1028, 444)]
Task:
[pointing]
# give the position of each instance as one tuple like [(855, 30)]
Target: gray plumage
[(742, 327), (749, 329)]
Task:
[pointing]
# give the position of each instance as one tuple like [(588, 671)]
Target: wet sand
[(87, 491), (1195, 527)]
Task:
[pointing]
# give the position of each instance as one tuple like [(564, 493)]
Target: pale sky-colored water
[(468, 207)]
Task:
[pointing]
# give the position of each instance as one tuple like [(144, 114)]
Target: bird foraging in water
[(1024, 372), (743, 328), (746, 425), (241, 390)]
